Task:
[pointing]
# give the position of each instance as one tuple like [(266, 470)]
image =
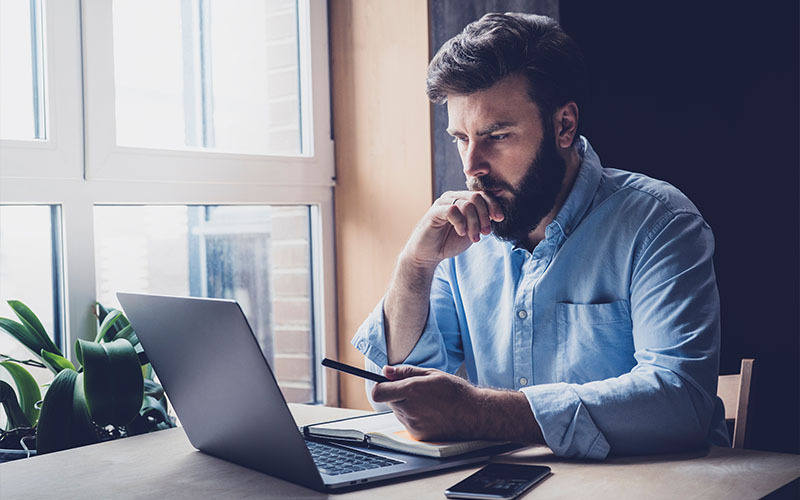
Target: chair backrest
[(734, 390)]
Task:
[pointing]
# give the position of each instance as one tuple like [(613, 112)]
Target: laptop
[(229, 404)]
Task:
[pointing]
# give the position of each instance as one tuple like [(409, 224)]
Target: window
[(196, 160), (218, 75), (259, 255)]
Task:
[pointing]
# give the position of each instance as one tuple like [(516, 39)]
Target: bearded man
[(580, 300)]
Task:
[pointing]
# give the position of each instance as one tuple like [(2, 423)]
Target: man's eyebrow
[(494, 127)]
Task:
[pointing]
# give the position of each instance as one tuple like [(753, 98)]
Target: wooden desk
[(164, 465)]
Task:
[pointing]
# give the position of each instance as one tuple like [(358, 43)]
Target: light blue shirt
[(610, 327)]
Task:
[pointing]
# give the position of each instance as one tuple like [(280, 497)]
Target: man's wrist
[(415, 274), (506, 416)]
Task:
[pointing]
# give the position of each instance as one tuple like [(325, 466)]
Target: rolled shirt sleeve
[(668, 400)]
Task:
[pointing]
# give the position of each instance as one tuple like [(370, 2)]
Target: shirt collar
[(583, 190)]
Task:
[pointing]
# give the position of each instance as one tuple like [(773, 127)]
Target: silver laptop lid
[(219, 383)]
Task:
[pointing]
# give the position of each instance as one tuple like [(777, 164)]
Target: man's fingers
[(473, 222), (456, 219), (495, 210), (448, 197), (482, 209), (386, 392), (390, 392), (487, 207), (395, 390)]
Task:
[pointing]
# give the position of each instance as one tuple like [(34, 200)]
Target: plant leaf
[(33, 324), (64, 421), (21, 333), (113, 381), (55, 362), (81, 418), (102, 312), (128, 334), (153, 389), (106, 325), (8, 398), (27, 388), (114, 327), (52, 431)]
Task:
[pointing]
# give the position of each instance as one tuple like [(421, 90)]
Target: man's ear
[(565, 124)]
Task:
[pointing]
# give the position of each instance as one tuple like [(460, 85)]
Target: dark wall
[(705, 96)]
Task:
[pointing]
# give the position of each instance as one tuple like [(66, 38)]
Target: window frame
[(56, 171)]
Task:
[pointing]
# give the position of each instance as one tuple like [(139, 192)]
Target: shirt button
[(523, 381), (522, 313)]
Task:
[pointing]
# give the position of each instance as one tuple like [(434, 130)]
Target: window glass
[(209, 74), (27, 274), (257, 255), (21, 70)]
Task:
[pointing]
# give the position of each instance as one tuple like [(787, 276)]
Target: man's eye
[(498, 137), (457, 140)]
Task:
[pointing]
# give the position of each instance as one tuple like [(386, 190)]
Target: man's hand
[(432, 404), (454, 222), (436, 406)]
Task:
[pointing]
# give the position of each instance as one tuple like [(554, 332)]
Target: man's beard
[(532, 199)]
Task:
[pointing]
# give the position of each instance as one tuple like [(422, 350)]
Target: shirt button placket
[(522, 335), (523, 324)]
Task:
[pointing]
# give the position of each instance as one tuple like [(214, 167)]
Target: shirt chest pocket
[(595, 341)]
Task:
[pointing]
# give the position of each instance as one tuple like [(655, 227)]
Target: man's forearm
[(405, 308), (506, 416)]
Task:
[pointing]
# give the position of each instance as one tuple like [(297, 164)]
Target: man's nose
[(474, 160)]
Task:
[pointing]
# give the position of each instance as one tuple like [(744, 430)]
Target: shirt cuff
[(429, 352), (566, 425)]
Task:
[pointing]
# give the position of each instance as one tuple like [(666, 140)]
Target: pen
[(352, 370)]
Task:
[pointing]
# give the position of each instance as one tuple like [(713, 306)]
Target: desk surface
[(164, 465)]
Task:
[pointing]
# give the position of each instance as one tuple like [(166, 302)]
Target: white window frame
[(79, 166)]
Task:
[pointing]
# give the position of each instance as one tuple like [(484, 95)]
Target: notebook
[(384, 430), (229, 403)]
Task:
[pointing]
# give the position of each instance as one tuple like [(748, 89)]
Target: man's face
[(508, 153)]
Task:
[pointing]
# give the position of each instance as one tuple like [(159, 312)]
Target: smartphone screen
[(499, 481)]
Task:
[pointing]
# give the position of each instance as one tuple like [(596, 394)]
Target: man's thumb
[(400, 372)]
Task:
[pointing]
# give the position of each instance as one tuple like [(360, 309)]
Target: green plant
[(112, 393)]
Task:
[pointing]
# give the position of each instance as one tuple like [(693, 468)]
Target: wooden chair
[(734, 390)]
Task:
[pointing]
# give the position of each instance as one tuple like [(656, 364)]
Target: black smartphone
[(499, 481)]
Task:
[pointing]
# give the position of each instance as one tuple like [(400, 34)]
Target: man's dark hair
[(498, 45)]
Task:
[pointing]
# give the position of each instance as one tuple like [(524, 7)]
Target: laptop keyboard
[(333, 460)]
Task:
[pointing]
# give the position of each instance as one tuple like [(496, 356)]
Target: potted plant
[(112, 393)]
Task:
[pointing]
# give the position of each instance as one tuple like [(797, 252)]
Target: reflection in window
[(209, 74), (257, 255)]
